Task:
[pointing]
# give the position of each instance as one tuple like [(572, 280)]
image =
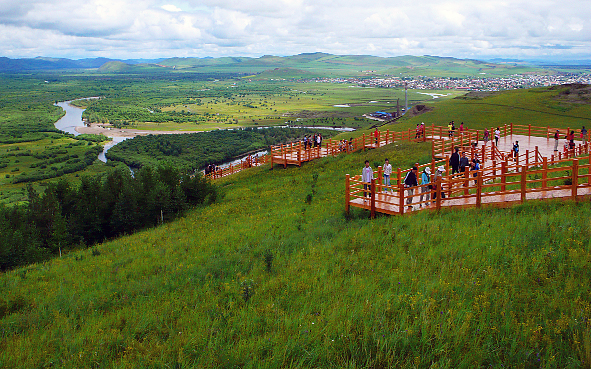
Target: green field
[(275, 275)]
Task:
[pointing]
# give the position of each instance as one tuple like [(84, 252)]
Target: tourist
[(319, 140), (556, 138), (418, 131), (410, 182), (436, 177), (485, 136), (450, 130), (464, 162), (454, 161), (462, 128), (376, 134), (387, 173), (426, 186), (453, 128), (366, 177), (584, 135), (475, 166), (516, 150), (497, 136), (305, 142)]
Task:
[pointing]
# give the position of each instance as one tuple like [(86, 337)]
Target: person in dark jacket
[(410, 182), (454, 161), (464, 162)]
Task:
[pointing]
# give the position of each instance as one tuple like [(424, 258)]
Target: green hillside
[(276, 275), (352, 65)]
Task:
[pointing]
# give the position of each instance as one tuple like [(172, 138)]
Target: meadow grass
[(276, 275)]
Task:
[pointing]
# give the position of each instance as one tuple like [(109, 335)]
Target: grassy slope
[(455, 289)]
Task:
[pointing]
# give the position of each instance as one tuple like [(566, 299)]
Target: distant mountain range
[(42, 63), (306, 65)]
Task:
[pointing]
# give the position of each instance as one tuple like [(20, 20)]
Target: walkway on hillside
[(538, 173)]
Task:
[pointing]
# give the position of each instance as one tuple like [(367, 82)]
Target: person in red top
[(376, 135)]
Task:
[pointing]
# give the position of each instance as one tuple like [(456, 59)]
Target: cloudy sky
[(544, 29)]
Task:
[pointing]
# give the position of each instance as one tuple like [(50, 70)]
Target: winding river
[(73, 119)]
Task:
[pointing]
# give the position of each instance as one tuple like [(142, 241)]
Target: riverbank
[(100, 129)]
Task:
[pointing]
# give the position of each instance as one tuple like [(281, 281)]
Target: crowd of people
[(311, 141)]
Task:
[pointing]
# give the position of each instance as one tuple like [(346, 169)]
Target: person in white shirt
[(387, 172), (497, 136), (366, 177)]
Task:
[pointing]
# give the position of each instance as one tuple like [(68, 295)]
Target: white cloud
[(171, 8), (162, 28)]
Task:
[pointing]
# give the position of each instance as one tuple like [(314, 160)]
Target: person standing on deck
[(387, 173), (454, 161), (584, 134), (305, 142), (556, 138), (410, 182), (497, 136), (516, 149), (426, 187), (438, 175), (376, 134), (366, 177), (462, 128), (464, 162), (319, 140), (485, 136), (449, 130)]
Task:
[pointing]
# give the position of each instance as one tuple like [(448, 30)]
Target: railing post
[(537, 153), (300, 154), (380, 186), (373, 198), (523, 183), (364, 142), (387, 134), (529, 130), (466, 181), (503, 176), (398, 176), (494, 168), (511, 128), (478, 188), (545, 173), (401, 198), (439, 192), (347, 193), (527, 158), (575, 178)]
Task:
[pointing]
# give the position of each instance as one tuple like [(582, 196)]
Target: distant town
[(470, 84)]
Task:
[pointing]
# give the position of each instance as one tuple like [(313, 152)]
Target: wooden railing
[(235, 168), (500, 184)]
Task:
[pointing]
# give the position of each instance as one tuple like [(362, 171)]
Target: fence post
[(537, 153), (438, 194), (387, 134), (527, 158), (380, 171), (478, 188), (373, 199), (545, 173), (399, 175), (466, 181), (511, 128), (529, 130), (548, 133), (575, 178), (523, 183), (494, 168), (503, 176), (401, 198), (364, 142), (347, 193)]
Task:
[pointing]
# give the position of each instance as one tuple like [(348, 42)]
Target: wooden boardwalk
[(503, 180)]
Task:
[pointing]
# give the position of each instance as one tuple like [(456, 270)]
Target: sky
[(151, 29)]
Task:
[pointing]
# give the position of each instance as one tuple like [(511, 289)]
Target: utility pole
[(405, 97)]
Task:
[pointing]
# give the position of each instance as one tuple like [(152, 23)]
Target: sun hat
[(428, 170), (441, 168)]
